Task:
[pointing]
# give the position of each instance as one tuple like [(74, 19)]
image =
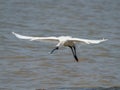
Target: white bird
[(62, 41)]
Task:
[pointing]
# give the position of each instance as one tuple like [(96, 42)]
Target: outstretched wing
[(35, 38), (87, 41)]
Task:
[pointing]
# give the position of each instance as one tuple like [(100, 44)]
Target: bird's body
[(65, 41), (62, 41)]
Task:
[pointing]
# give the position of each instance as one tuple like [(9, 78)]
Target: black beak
[(73, 48), (54, 50)]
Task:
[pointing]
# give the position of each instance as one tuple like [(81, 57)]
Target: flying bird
[(66, 41)]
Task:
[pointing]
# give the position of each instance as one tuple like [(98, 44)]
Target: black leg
[(76, 58), (74, 52), (54, 50)]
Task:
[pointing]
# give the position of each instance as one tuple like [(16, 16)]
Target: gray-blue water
[(26, 65)]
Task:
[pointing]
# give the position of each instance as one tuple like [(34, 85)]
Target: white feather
[(62, 39), (88, 41), (34, 38)]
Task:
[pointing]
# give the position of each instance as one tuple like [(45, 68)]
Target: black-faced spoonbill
[(62, 41)]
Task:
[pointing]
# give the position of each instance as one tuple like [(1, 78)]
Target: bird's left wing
[(35, 38), (87, 41)]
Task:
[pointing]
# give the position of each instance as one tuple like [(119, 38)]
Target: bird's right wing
[(87, 41), (35, 38)]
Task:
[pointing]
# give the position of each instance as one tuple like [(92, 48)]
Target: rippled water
[(26, 65)]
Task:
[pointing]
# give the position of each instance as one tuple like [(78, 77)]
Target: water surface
[(26, 65)]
